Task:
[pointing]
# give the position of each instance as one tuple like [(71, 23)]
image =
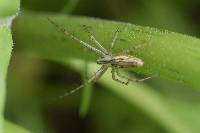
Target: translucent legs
[(115, 71), (93, 79), (93, 38), (66, 33), (114, 39)]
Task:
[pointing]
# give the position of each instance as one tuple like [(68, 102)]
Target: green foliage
[(5, 50), (167, 55), (8, 8), (13, 128), (167, 103)]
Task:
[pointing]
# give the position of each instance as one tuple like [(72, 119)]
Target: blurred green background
[(34, 84)]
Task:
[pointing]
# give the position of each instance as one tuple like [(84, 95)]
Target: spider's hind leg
[(128, 78), (113, 71), (122, 76)]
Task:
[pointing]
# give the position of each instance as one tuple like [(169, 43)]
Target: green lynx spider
[(107, 59)]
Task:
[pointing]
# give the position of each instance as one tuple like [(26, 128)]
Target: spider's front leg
[(93, 79), (113, 71)]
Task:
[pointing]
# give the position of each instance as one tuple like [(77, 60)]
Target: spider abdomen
[(125, 61)]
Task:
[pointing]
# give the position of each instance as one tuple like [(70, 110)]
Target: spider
[(107, 59)]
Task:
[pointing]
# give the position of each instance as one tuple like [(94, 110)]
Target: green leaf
[(13, 128), (9, 7), (87, 94), (5, 53), (85, 101), (8, 10), (167, 54)]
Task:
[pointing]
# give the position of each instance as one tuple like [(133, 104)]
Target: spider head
[(104, 60)]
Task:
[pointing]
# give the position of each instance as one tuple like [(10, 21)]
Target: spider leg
[(141, 80), (122, 76), (139, 46), (93, 79), (131, 79), (66, 33), (114, 38), (113, 71), (92, 37)]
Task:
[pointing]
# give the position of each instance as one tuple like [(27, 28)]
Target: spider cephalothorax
[(107, 59)]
